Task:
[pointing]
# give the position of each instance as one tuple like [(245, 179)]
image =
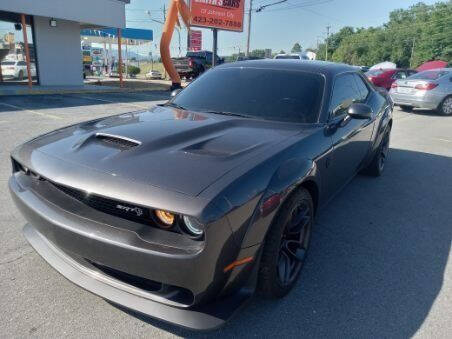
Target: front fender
[(287, 177)]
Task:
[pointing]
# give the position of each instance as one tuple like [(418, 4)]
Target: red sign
[(195, 40), (221, 14)]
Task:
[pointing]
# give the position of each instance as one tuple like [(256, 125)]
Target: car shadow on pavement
[(426, 112), (53, 101), (376, 262)]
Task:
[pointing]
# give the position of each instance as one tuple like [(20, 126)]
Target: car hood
[(165, 147)]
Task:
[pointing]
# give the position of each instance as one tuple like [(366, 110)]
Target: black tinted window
[(21, 63), (344, 94), (280, 95), (362, 88)]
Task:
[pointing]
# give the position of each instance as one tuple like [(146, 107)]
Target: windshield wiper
[(172, 104), (228, 113)]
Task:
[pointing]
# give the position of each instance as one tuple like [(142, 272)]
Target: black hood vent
[(117, 140)]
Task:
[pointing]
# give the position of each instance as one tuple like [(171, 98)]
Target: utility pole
[(164, 20), (188, 31), (249, 29), (412, 52), (215, 46), (327, 36)]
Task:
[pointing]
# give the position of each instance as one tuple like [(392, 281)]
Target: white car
[(308, 55), (153, 75), (16, 69), (295, 56)]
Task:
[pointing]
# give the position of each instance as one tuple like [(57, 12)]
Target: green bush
[(133, 70)]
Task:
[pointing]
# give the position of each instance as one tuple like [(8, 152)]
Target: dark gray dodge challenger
[(185, 211)]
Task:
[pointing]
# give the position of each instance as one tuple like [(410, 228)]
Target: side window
[(362, 88), (21, 63), (344, 94), (400, 75)]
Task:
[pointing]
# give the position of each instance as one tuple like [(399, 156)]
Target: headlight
[(165, 217), (193, 226)]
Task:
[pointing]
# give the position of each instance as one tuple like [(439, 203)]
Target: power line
[(259, 9), (298, 6)]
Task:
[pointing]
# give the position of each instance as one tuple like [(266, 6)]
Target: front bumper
[(424, 102), (80, 242), (200, 318)]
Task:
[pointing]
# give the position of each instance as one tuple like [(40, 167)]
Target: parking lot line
[(31, 111), (110, 101), (446, 140)]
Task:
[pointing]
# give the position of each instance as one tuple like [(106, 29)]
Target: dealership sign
[(195, 40), (221, 14)]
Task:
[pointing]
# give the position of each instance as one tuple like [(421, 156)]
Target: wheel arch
[(290, 177)]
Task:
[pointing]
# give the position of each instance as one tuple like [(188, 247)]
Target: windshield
[(287, 57), (8, 63), (281, 95), (429, 75)]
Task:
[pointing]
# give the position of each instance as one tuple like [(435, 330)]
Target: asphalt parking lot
[(380, 264)]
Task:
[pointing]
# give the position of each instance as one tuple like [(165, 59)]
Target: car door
[(351, 138)]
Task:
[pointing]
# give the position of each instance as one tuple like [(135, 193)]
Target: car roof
[(448, 69), (323, 67)]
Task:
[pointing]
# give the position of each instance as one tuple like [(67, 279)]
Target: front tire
[(20, 76), (378, 163), (446, 106), (286, 245), (406, 108)]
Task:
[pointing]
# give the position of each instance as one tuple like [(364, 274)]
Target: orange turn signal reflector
[(237, 263), (165, 217)]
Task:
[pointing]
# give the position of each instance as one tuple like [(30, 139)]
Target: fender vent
[(117, 141)]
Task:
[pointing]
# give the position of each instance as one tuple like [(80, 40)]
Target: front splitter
[(205, 317)]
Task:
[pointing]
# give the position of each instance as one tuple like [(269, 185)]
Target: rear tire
[(286, 245), (406, 108), (445, 108), (376, 167)]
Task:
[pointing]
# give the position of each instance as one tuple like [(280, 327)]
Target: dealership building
[(48, 31)]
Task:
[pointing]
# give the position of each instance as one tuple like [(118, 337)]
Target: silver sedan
[(430, 89)]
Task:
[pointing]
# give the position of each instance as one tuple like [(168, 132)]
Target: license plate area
[(404, 90)]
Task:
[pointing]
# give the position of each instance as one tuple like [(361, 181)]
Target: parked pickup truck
[(194, 63)]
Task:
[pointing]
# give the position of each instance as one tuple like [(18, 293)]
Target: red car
[(385, 77)]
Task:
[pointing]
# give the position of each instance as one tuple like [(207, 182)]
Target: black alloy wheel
[(377, 165), (286, 245), (294, 244), (384, 151)]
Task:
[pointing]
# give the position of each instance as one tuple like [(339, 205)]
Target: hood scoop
[(117, 141)]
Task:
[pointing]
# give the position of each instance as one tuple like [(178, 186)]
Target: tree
[(257, 53), (282, 52), (410, 37), (296, 48)]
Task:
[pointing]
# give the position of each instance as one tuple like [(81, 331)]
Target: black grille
[(109, 206), (117, 141)]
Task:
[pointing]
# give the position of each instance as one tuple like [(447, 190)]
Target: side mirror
[(175, 92), (359, 111)]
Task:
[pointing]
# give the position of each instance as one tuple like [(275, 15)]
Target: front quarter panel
[(279, 174)]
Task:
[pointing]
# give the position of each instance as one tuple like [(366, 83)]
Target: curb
[(81, 91)]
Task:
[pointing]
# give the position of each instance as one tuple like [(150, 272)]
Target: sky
[(277, 27)]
